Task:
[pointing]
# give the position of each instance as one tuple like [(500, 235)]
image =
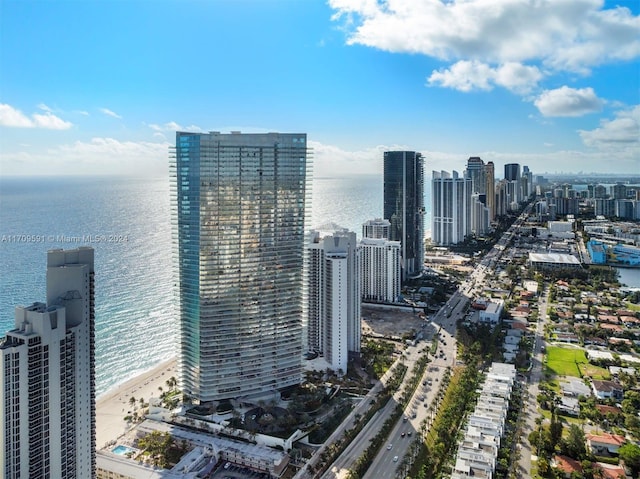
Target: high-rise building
[(605, 207), (619, 191), (333, 324), (512, 172), (526, 182), (377, 228), (381, 277), (479, 215), (600, 192), (514, 185), (490, 177), (404, 206), (451, 210), (477, 174), (238, 209), (48, 377)]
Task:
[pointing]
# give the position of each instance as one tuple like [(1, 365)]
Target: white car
[(395, 458), (389, 447)]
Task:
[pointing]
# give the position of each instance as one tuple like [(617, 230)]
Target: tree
[(157, 444), (543, 465), (555, 430), (574, 445), (630, 454)]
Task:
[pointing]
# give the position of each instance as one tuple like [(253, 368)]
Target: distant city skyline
[(101, 87)]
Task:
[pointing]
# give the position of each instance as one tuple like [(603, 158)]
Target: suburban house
[(606, 389)]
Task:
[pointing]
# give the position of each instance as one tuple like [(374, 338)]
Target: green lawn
[(564, 361), (594, 372), (631, 306)]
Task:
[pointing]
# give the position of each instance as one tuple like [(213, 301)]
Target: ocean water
[(135, 322), (629, 277), (134, 310)]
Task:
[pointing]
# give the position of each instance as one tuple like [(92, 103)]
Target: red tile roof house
[(605, 409), (604, 443), (567, 465), (608, 318), (630, 321), (609, 471), (519, 325), (606, 389), (620, 341), (595, 340), (614, 328), (564, 314)]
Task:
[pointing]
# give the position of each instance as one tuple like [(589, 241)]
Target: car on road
[(395, 458), (403, 434), (389, 447)]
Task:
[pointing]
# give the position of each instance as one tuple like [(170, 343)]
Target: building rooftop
[(553, 258)]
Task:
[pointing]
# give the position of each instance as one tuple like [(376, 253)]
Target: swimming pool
[(121, 450)]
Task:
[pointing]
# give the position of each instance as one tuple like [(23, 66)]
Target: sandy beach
[(112, 407)]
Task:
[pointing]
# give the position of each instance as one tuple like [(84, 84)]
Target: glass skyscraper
[(404, 206), (238, 219)]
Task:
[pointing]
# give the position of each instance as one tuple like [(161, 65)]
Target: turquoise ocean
[(135, 321)]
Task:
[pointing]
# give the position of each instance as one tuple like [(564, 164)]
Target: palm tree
[(171, 383), (132, 401)]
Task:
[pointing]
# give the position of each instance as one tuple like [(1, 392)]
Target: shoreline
[(114, 405)]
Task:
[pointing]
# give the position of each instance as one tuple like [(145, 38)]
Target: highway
[(388, 460), (341, 466), (443, 324)]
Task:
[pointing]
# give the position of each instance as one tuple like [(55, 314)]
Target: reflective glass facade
[(238, 218), (404, 206)]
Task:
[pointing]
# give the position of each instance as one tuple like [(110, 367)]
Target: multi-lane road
[(443, 325)]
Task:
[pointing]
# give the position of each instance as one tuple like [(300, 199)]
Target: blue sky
[(99, 87)]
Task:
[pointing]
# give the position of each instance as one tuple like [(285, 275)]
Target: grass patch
[(594, 372), (565, 361), (631, 306)]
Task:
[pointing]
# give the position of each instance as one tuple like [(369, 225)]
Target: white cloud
[(572, 35), (44, 107), (12, 117), (173, 126), (473, 75), (98, 156), (108, 112), (82, 112), (566, 101), (50, 122), (619, 137), (330, 160)]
